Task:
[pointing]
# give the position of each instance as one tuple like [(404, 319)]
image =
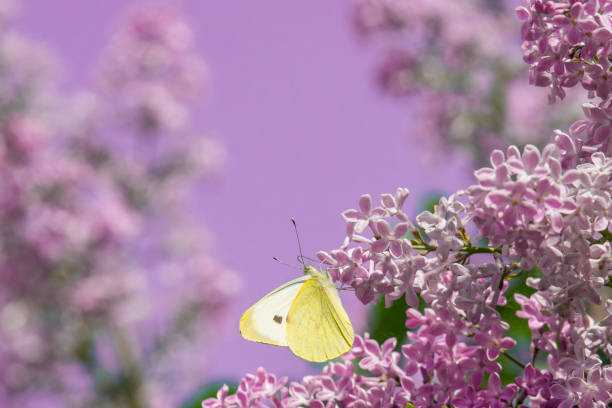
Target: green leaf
[(385, 323)]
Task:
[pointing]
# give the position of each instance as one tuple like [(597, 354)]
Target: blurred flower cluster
[(105, 281), (541, 224), (465, 87)]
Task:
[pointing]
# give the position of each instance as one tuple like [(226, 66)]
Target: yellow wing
[(266, 320), (318, 328)]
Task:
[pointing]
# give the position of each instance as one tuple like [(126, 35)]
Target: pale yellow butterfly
[(305, 314)]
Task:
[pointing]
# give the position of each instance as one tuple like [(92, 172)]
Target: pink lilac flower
[(221, 398), (493, 343), (150, 62), (534, 382), (567, 44), (495, 395), (83, 200), (593, 390), (536, 310), (377, 359), (430, 56), (478, 365), (443, 232), (544, 213), (556, 226), (338, 384)]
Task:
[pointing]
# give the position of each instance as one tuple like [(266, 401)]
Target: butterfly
[(304, 314)]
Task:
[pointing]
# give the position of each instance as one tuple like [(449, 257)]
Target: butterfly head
[(324, 278), (309, 270)]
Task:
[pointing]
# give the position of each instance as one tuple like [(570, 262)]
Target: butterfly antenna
[(301, 257), (283, 263)]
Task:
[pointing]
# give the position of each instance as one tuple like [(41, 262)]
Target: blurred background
[(152, 156)]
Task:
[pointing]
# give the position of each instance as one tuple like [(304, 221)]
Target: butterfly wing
[(318, 328), (266, 320)]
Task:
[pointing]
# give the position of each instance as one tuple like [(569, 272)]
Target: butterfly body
[(304, 314)]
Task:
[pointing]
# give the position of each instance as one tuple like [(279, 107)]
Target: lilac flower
[(254, 387), (443, 232), (338, 384), (478, 365), (345, 265), (389, 238), (584, 393), (534, 381), (371, 283), (377, 359), (151, 64), (358, 220), (431, 56), (493, 343), (496, 396), (576, 38), (540, 209), (301, 395), (84, 202), (68, 229), (464, 297), (535, 310), (338, 381)]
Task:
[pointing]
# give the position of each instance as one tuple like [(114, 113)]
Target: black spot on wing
[(278, 319)]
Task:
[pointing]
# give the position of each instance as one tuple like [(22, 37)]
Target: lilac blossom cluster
[(566, 44), (465, 88), (93, 224), (534, 213), (538, 215)]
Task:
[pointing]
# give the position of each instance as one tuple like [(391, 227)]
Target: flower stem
[(468, 249), (514, 360), (480, 250)]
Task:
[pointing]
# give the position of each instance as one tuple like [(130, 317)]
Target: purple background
[(306, 132)]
